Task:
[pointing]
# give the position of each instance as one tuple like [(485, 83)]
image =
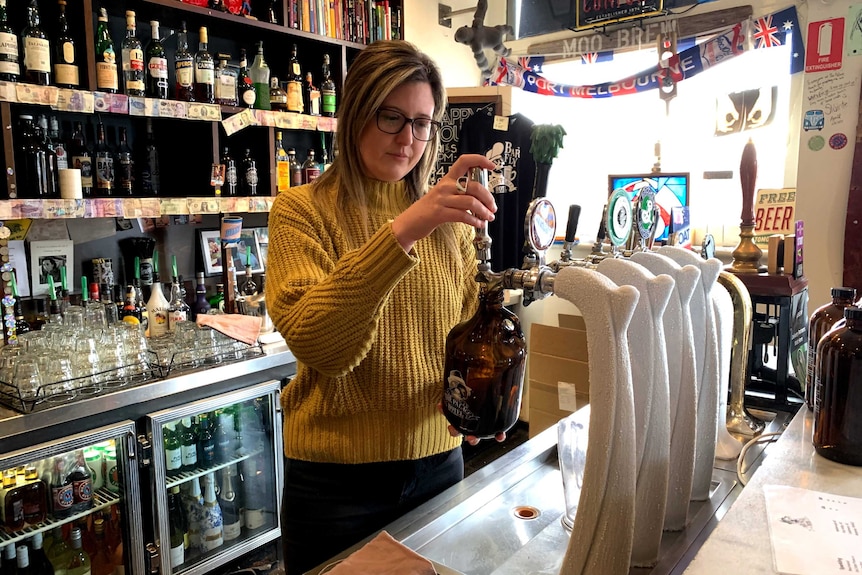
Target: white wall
[(822, 177)]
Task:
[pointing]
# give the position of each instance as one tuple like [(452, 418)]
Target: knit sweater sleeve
[(324, 298)]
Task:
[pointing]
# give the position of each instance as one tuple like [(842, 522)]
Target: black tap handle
[(603, 230), (572, 223)]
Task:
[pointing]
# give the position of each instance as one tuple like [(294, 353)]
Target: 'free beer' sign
[(774, 213)]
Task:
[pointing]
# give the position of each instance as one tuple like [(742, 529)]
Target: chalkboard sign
[(457, 110)]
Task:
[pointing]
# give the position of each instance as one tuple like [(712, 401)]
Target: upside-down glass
[(572, 456), (27, 378)]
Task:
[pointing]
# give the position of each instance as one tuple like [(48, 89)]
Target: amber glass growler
[(822, 320), (485, 361), (838, 400)]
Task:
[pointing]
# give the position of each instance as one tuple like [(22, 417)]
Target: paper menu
[(813, 533)]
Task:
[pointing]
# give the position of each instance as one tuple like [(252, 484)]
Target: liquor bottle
[(55, 311), (176, 524), (79, 563), (310, 96), (212, 531), (157, 65), (10, 560), (10, 68), (37, 52), (23, 560), (246, 94), (131, 313), (184, 66), (217, 300), (230, 173), (134, 77), (206, 442), (104, 164), (249, 288), (157, 305), (100, 561), (821, 321), (150, 173), (295, 168), (106, 58), (60, 552), (173, 450), (66, 74), (62, 491), (269, 13), (282, 164), (178, 309), (59, 147), (327, 90), (259, 73), (249, 174), (35, 497), (189, 444), (225, 81), (484, 368), (193, 504), (204, 71), (294, 84), (12, 504), (50, 177), (95, 315), (837, 433), (38, 559), (202, 306), (21, 324), (324, 155), (230, 510), (125, 167), (310, 168), (82, 483), (82, 159), (277, 96)]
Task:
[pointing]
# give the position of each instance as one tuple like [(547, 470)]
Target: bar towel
[(244, 328), (383, 555)]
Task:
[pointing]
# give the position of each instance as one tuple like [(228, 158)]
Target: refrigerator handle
[(145, 450)]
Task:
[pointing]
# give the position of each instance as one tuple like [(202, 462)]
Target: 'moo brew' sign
[(592, 13)]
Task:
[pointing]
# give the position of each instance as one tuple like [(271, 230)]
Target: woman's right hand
[(448, 201)]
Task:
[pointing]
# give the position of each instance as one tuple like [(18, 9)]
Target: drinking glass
[(572, 456), (74, 317), (27, 378), (8, 355)]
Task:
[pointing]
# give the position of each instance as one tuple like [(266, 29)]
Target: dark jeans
[(328, 507)]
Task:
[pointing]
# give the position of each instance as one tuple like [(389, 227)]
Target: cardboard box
[(572, 321)]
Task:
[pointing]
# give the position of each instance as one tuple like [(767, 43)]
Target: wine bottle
[(189, 444), (184, 67), (79, 563), (173, 450), (66, 74), (193, 504), (204, 71), (10, 68), (23, 560), (484, 367), (327, 90), (294, 84), (225, 436), (176, 524), (133, 59), (212, 531), (106, 58), (206, 442), (37, 52), (104, 164), (310, 168), (58, 145), (259, 73), (254, 494), (125, 167), (821, 321), (249, 174), (227, 499), (82, 159), (157, 65), (310, 96), (100, 560), (295, 168), (282, 164), (231, 182), (246, 94), (157, 305), (38, 559), (202, 306), (60, 552)]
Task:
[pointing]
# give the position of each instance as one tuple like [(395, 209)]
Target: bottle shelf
[(102, 499), (131, 207), (85, 102), (183, 476)]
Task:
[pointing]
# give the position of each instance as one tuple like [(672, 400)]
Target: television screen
[(671, 191)]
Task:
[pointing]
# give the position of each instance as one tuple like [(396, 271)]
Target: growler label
[(456, 395)]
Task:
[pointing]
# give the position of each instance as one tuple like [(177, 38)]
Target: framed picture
[(46, 259), (210, 249), (671, 191), (248, 244)]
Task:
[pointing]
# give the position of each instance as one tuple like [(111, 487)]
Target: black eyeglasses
[(392, 122)]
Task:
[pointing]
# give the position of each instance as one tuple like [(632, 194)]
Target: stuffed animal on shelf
[(479, 37)]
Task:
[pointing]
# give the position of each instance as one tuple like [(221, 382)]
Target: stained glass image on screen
[(672, 190)]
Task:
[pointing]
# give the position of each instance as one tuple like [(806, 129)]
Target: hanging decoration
[(479, 37), (777, 29)]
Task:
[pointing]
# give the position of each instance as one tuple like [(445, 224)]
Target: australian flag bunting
[(780, 29)]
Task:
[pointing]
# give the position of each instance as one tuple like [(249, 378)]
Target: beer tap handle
[(571, 229)]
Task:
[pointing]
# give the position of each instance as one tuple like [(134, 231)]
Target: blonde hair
[(375, 72)]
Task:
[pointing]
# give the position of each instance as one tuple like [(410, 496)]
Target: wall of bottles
[(220, 480)]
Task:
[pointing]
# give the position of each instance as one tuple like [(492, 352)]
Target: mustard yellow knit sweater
[(368, 327)]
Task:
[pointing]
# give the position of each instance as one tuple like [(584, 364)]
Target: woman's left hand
[(471, 439)]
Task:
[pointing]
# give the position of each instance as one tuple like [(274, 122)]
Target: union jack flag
[(766, 33)]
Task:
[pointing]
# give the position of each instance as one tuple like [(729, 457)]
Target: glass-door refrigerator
[(75, 500), (216, 478)]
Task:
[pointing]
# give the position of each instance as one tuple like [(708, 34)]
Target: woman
[(367, 274)]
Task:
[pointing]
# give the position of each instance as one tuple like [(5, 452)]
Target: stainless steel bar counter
[(505, 519)]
